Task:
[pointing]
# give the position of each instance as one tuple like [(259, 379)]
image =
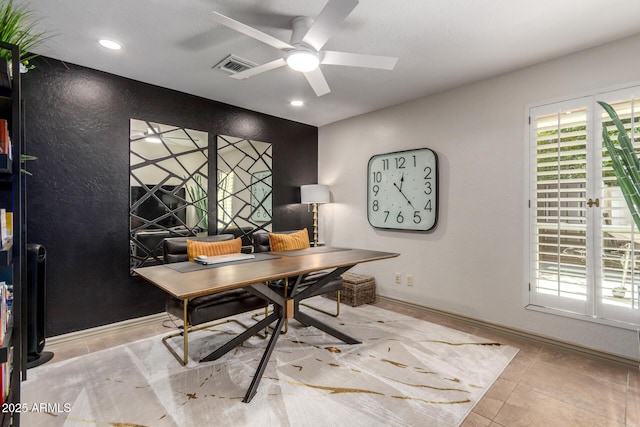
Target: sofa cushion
[(175, 248), (195, 248), (289, 242)]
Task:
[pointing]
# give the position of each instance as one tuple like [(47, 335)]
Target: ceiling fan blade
[(332, 57), (317, 81), (260, 69), (250, 31), (328, 21)]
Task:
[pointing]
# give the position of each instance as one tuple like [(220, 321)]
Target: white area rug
[(407, 372)]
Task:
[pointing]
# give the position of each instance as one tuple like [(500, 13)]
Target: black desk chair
[(261, 244), (207, 308)]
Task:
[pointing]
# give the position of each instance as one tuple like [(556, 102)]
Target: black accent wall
[(77, 124)]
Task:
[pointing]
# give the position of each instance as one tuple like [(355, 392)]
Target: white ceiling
[(440, 44)]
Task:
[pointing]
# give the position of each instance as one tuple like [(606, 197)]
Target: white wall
[(474, 263)]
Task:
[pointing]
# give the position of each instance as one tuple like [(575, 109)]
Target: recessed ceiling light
[(297, 103), (110, 44)]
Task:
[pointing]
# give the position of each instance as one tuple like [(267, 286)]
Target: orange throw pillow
[(289, 242), (197, 247)]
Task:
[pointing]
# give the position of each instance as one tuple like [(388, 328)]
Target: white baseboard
[(106, 329), (629, 362), (154, 318)]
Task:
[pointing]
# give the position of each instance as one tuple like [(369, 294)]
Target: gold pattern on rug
[(333, 390), (464, 343), (457, 402), (398, 364), (428, 386), (421, 370)]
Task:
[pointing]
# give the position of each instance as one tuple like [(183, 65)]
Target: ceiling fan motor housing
[(300, 26), (303, 58)]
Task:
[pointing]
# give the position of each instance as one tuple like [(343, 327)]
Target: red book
[(4, 136)]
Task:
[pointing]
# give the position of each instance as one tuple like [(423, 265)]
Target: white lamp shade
[(314, 193)]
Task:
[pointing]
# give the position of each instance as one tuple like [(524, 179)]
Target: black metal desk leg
[(265, 359), (230, 345), (310, 321)]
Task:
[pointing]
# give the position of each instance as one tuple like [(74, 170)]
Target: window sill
[(584, 317)]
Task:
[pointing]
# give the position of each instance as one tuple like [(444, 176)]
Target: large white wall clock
[(402, 190)]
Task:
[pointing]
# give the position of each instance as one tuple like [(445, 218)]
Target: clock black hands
[(400, 190), (409, 201)]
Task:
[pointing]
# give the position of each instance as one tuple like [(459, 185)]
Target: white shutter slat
[(560, 191)]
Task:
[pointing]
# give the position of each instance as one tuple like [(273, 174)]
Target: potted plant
[(18, 26)]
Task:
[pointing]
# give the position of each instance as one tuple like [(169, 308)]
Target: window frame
[(592, 312)]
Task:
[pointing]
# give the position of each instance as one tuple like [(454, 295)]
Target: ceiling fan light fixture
[(303, 60)]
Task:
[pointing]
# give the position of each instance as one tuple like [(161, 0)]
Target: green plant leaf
[(625, 163), (198, 196), (19, 26)]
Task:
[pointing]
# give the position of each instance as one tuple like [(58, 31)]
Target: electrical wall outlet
[(398, 278), (409, 280)]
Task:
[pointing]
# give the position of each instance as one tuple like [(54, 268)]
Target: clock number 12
[(399, 162)]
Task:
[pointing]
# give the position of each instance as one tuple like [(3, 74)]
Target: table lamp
[(314, 194)]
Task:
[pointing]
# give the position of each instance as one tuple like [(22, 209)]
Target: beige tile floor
[(543, 385)]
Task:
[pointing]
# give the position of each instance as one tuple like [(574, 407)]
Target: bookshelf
[(12, 252)]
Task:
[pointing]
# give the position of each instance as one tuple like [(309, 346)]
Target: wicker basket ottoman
[(357, 289)]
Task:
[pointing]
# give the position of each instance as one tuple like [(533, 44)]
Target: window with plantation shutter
[(584, 248)]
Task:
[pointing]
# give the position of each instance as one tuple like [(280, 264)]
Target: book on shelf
[(5, 140), (4, 236), (9, 219), (5, 381), (4, 310), (4, 135)]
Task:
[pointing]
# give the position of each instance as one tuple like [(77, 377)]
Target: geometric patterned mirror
[(169, 175), (244, 186)]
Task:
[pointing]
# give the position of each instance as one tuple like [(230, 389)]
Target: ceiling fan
[(304, 52)]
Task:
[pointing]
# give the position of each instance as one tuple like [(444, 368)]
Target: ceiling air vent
[(233, 64)]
